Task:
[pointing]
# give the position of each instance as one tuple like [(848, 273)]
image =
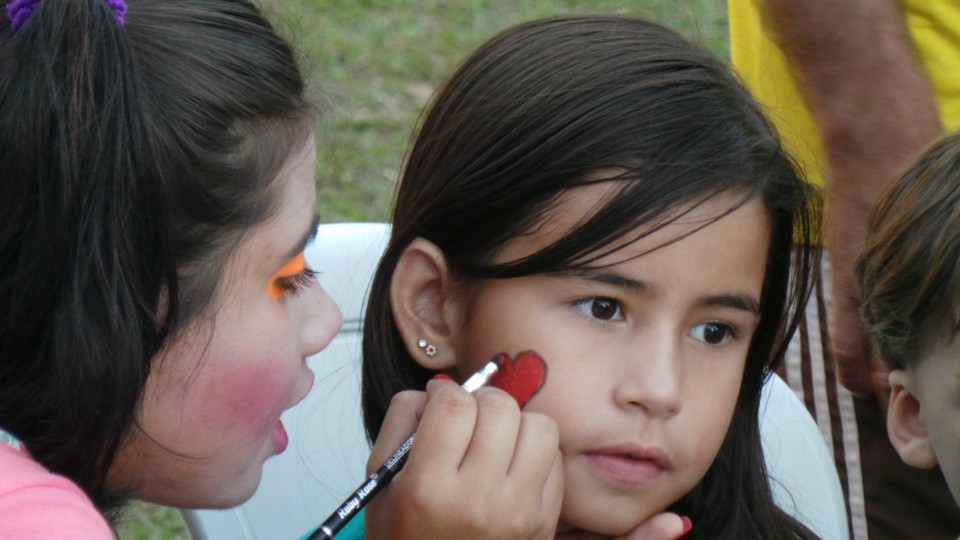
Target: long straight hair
[(542, 108), (132, 158)]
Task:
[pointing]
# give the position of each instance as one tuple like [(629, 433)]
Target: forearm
[(857, 70)]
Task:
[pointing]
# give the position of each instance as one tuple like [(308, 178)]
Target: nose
[(321, 321), (650, 379)]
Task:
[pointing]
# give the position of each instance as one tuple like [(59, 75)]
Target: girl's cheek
[(250, 397)]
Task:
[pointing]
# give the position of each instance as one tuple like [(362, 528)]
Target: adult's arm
[(856, 67)]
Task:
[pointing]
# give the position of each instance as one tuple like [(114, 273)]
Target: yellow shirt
[(934, 26)]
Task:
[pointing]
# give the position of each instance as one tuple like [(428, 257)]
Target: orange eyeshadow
[(291, 268)]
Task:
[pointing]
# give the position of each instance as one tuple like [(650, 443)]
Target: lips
[(279, 437), (628, 464)]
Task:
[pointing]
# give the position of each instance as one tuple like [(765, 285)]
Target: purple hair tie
[(18, 11), (119, 7)]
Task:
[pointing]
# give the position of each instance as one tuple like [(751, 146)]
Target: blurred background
[(374, 64)]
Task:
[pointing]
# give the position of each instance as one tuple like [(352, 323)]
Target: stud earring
[(429, 348)]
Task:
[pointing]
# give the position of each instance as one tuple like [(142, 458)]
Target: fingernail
[(687, 526), (442, 377)]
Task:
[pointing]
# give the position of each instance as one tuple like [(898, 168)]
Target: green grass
[(142, 521), (376, 63)]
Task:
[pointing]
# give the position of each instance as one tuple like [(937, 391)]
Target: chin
[(605, 525), (214, 495), (613, 520), (235, 495)]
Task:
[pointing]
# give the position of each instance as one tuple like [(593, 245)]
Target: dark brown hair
[(909, 272), (540, 109), (132, 158)]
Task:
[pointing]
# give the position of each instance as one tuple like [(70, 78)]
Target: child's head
[(601, 191), (157, 178), (909, 277)]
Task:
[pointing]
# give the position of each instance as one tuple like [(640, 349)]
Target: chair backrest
[(803, 476), (326, 456)]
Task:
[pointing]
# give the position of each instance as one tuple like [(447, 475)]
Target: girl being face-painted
[(602, 192)]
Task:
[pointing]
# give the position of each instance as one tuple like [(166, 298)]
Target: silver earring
[(429, 348)]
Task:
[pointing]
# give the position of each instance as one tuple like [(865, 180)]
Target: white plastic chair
[(327, 452), (803, 476)]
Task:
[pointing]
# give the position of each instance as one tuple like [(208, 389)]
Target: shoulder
[(35, 503)]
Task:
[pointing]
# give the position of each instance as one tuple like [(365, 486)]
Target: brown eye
[(712, 333), (601, 309), (604, 308)]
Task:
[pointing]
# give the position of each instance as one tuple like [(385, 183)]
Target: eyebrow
[(743, 301), (306, 238), (602, 275)]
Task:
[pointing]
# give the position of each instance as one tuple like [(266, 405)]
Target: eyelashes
[(603, 311), (292, 278), (714, 333), (297, 283), (600, 310)]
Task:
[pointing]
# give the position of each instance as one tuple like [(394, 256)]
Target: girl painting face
[(645, 349), (210, 414)]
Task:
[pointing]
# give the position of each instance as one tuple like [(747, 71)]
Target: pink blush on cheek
[(250, 399)]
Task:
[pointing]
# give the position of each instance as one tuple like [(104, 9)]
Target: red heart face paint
[(521, 377)]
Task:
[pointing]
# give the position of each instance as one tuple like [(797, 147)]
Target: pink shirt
[(35, 503)]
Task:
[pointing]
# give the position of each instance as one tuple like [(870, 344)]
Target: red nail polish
[(687, 526), (442, 377)]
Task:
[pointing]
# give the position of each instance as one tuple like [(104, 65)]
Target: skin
[(212, 405), (509, 487), (211, 409), (924, 414), (671, 344), (855, 66)]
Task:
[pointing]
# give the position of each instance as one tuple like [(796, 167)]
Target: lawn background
[(375, 64)]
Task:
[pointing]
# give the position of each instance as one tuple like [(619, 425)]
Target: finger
[(665, 526), (531, 492), (494, 439), (552, 500), (538, 446), (400, 422), (538, 465), (445, 430)]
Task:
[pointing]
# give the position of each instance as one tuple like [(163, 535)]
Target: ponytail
[(79, 299)]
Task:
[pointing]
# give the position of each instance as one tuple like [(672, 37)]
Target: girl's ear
[(425, 304), (905, 425)]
